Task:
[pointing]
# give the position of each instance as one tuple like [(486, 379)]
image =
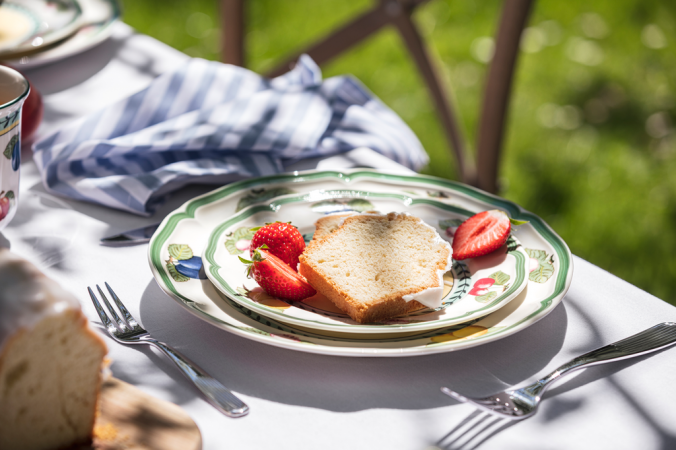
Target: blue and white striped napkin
[(213, 123)]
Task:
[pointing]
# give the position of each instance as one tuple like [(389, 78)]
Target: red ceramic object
[(32, 114), (33, 110)]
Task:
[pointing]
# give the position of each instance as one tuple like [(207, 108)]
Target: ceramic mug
[(14, 89)]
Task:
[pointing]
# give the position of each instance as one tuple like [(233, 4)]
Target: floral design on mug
[(9, 120), (6, 202), (13, 151)]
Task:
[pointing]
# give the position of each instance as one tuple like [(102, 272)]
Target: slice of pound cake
[(50, 362), (375, 267)]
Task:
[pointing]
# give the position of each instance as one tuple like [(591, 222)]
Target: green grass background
[(590, 146)]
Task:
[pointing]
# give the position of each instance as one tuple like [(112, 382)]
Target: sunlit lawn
[(591, 145)]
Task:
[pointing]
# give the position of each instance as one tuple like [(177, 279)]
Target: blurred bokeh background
[(591, 141)]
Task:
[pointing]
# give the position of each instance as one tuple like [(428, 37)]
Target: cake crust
[(386, 308), (330, 223)]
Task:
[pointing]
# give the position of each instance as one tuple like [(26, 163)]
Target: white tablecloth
[(306, 401)]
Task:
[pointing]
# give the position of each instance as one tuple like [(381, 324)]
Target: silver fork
[(521, 403), (130, 332)]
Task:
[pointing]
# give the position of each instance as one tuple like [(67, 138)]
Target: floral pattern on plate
[(261, 195), (225, 270), (541, 266), (238, 241), (183, 265)]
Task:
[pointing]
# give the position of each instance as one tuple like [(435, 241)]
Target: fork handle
[(647, 341), (216, 394)]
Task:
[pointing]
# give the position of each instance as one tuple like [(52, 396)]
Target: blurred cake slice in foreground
[(50, 362)]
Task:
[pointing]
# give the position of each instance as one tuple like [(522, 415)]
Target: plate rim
[(212, 267), (187, 211), (46, 57), (56, 36)]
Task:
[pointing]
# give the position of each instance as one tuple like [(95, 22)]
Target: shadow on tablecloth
[(478, 427), (344, 384)]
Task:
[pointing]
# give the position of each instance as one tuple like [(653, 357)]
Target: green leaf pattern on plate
[(545, 268), (333, 206), (500, 277), (261, 195), (171, 268), (359, 204), (486, 297), (245, 233), (449, 223), (256, 330), (540, 255), (438, 194), (180, 251), (512, 244)]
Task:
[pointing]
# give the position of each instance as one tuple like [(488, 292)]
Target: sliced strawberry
[(481, 234), (283, 240), (276, 277)]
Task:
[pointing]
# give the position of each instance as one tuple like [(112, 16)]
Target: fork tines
[(129, 324)]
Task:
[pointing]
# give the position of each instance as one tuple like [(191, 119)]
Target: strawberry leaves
[(256, 258), (516, 223)]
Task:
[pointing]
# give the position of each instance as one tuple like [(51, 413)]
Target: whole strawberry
[(276, 277), (283, 240)]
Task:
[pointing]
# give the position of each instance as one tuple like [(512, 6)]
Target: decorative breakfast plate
[(30, 25), (99, 16), (176, 250), (473, 288)]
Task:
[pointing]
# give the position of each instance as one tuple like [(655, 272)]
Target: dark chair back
[(397, 13)]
